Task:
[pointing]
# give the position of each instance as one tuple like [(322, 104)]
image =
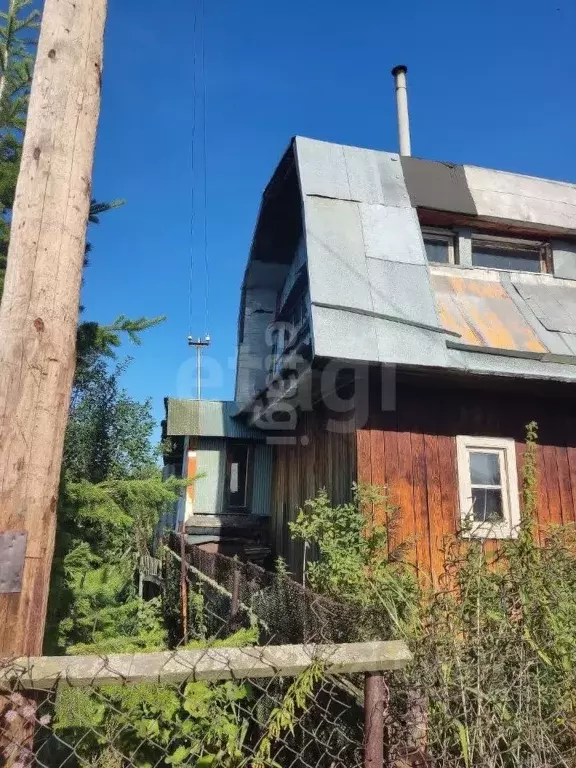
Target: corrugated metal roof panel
[(206, 418), (483, 313)]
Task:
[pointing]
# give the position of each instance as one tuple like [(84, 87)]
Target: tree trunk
[(39, 311)]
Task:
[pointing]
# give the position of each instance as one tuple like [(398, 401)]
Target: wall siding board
[(412, 451), (421, 521), (554, 506), (417, 446), (566, 500), (570, 442), (391, 473), (364, 450), (542, 493), (405, 532), (323, 459)]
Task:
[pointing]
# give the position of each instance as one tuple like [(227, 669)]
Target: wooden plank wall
[(319, 457), (412, 451)]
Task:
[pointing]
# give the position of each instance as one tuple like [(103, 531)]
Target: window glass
[(486, 486), (237, 475), (501, 256), (437, 250), (484, 468), (487, 505)]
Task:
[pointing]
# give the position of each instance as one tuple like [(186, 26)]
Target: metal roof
[(375, 298), (206, 418)]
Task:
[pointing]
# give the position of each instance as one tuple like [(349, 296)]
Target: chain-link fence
[(219, 707), (221, 594)]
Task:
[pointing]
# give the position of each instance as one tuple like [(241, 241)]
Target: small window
[(439, 246), (238, 459), (488, 485), (518, 255)]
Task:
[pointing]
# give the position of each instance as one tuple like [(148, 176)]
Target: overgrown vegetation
[(494, 645)]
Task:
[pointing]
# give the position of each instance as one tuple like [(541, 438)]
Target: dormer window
[(439, 245), (468, 248), (509, 254)]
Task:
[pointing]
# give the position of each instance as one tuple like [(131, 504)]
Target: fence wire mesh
[(293, 710), (164, 709), (231, 694), (229, 594)]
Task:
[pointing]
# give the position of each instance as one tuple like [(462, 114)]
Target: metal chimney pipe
[(399, 74)]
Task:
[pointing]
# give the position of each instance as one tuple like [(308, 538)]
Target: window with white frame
[(440, 246), (488, 487)]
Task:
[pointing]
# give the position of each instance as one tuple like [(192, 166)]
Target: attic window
[(439, 245), (488, 485), (509, 254)]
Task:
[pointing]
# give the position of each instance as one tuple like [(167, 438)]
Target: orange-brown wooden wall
[(412, 451)]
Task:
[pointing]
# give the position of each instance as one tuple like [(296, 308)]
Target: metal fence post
[(235, 605), (183, 586), (374, 691)]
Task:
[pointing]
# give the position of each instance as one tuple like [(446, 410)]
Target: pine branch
[(133, 328), (97, 208)]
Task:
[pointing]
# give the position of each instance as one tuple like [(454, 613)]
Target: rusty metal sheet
[(12, 556), (484, 315)]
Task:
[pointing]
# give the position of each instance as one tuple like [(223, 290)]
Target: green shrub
[(494, 646)]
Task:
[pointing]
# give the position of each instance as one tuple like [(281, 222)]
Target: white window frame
[(442, 236), (506, 450)]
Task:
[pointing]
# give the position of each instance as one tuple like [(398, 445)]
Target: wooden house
[(401, 321)]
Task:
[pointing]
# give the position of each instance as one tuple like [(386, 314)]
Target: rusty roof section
[(484, 315)]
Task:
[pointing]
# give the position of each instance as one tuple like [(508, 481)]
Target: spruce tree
[(18, 27)]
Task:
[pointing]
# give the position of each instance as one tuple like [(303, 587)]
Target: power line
[(205, 166), (192, 171), (199, 177)]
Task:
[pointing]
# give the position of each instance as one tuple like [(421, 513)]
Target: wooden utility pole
[(39, 311)]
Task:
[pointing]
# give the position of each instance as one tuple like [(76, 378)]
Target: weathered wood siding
[(318, 458), (412, 451)]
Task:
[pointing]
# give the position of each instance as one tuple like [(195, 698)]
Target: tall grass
[(493, 683)]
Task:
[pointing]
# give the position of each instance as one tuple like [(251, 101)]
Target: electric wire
[(205, 167), (191, 265)]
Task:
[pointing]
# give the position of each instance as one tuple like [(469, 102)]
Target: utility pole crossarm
[(199, 344)]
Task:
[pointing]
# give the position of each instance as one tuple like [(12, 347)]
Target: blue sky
[(490, 83)]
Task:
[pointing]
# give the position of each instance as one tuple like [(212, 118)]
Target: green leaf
[(464, 741), (179, 756)]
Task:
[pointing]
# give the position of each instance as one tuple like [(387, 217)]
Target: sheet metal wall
[(209, 490)]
